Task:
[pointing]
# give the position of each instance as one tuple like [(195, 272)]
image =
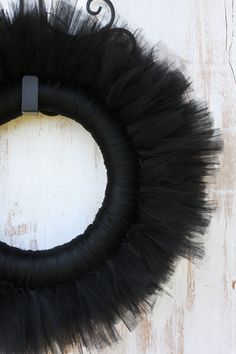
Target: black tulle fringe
[(175, 147)]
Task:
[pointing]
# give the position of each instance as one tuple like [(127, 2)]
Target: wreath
[(159, 148)]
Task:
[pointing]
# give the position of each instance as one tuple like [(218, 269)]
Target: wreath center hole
[(52, 181)]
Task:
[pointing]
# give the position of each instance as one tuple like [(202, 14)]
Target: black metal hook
[(94, 13)]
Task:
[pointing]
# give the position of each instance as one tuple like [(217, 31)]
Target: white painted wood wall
[(52, 181)]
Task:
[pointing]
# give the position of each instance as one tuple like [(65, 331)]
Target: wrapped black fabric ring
[(159, 148), (86, 251)]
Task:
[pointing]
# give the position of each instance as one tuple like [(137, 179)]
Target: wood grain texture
[(52, 181)]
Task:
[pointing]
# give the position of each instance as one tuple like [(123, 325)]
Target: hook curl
[(97, 12)]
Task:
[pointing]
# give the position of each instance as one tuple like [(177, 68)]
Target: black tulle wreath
[(158, 148)]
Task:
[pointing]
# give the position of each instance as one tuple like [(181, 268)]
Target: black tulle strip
[(159, 150)]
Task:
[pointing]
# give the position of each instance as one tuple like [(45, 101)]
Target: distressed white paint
[(199, 316)]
